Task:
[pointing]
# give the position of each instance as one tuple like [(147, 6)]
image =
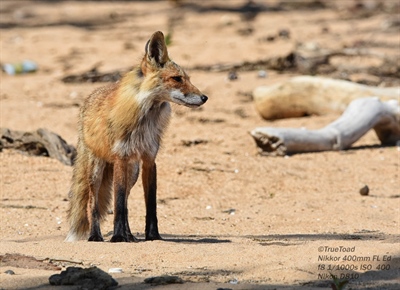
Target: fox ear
[(157, 49)]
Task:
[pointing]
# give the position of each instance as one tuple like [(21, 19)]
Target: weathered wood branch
[(301, 59), (305, 60), (41, 142), (307, 95), (360, 116)]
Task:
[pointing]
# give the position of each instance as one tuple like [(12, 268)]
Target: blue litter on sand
[(26, 66)]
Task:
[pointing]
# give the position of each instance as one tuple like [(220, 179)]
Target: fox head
[(168, 78)]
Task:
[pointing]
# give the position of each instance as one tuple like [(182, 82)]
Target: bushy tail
[(78, 210)]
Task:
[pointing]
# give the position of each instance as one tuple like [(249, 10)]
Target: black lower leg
[(151, 203), (120, 216), (131, 238), (95, 233)]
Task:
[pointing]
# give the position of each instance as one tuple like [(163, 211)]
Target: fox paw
[(153, 237), (95, 238), (119, 239)]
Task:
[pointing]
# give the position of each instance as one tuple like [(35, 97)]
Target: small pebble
[(262, 74), (10, 272), (232, 75), (284, 33), (230, 211), (364, 190), (270, 38), (115, 270), (234, 282), (227, 20)]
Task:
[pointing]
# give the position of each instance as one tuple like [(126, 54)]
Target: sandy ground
[(230, 218)]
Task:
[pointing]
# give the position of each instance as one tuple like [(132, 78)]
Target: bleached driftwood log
[(307, 95), (359, 117)]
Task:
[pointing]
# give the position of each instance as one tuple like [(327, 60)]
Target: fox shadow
[(195, 239), (189, 239), (274, 239)]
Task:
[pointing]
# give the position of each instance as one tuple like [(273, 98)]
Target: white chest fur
[(144, 138)]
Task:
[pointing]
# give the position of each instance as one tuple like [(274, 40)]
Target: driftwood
[(307, 60), (40, 143), (303, 59), (306, 95), (93, 76), (360, 116)]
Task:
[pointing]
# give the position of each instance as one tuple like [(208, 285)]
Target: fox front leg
[(149, 178), (132, 175)]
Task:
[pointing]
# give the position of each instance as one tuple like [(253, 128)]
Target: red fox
[(121, 126)]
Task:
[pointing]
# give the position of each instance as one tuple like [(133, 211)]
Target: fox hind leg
[(125, 176), (96, 168)]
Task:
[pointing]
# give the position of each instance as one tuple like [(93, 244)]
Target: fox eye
[(178, 79)]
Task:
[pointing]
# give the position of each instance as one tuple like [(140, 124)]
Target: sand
[(230, 218)]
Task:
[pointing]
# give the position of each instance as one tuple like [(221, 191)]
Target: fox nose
[(204, 98)]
